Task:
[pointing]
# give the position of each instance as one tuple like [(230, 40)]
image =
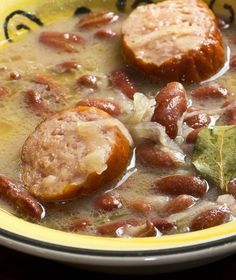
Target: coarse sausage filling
[(69, 147)]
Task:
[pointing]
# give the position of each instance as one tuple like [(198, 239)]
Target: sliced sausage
[(20, 199), (62, 159), (171, 103), (175, 40), (181, 184)]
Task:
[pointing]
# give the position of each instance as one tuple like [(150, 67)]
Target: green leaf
[(215, 155)]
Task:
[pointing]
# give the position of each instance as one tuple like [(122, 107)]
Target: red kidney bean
[(181, 184), (170, 106), (105, 34), (198, 120), (106, 105), (233, 62), (88, 81), (3, 91), (140, 206), (178, 204), (120, 80), (3, 68), (149, 230), (108, 202), (210, 218), (162, 224), (230, 111), (15, 75), (150, 154), (60, 40), (111, 228), (67, 66), (194, 109), (51, 86), (144, 230), (192, 136), (19, 198), (79, 225), (210, 91), (232, 187), (94, 20), (36, 102)]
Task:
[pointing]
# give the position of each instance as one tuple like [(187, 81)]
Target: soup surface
[(164, 188)]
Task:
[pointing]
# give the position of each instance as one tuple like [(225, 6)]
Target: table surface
[(17, 266)]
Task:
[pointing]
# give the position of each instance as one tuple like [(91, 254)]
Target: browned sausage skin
[(171, 103), (174, 40), (20, 199)]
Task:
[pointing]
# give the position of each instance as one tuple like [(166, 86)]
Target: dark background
[(17, 266)]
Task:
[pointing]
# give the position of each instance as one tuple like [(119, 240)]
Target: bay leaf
[(214, 155)]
